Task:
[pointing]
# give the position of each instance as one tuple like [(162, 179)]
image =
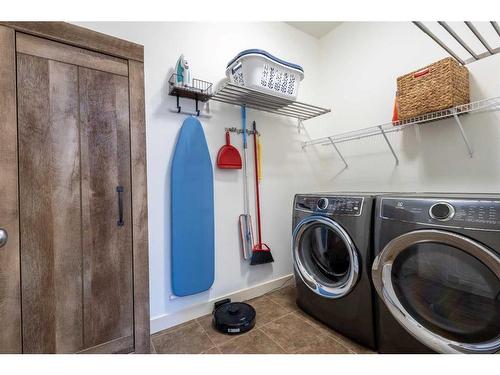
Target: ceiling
[(316, 29)]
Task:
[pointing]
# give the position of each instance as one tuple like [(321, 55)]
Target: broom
[(245, 220), (261, 253)]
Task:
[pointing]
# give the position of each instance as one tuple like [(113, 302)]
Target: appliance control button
[(442, 211), (323, 203)]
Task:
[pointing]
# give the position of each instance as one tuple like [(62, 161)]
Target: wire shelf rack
[(243, 96), (391, 127), (199, 91), (455, 35)]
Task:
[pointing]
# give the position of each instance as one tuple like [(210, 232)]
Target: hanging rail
[(477, 34), (240, 131), (391, 127)]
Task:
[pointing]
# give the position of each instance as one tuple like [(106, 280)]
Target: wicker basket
[(438, 86)]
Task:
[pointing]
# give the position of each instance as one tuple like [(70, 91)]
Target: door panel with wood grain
[(107, 244), (75, 248), (49, 179), (10, 293)]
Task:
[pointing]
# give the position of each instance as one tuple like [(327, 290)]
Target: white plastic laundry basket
[(259, 70)]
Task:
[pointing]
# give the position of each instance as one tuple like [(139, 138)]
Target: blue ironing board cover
[(192, 213)]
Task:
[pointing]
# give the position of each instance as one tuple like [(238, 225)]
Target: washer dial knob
[(442, 211), (323, 203)]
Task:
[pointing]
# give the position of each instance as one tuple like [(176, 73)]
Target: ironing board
[(192, 213)]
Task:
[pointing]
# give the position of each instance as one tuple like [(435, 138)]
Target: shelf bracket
[(300, 125), (179, 109), (388, 144), (197, 109), (338, 151), (462, 132), (197, 112)]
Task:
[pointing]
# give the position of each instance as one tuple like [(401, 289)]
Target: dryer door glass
[(444, 288), (449, 291), (325, 256)]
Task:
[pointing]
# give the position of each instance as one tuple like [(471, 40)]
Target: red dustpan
[(228, 156)]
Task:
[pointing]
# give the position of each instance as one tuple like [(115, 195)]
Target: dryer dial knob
[(323, 203), (442, 211)]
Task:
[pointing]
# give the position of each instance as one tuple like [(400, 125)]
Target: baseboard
[(162, 322)]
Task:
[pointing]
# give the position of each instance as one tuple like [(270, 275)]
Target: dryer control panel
[(330, 205), (463, 213)]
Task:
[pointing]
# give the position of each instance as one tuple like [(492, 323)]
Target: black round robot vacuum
[(233, 317)]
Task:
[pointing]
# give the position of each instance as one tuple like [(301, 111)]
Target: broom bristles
[(261, 257)]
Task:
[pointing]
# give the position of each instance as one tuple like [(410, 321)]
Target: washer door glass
[(448, 291), (325, 257), (442, 287)]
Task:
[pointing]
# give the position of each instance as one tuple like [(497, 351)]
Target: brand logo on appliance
[(399, 205)]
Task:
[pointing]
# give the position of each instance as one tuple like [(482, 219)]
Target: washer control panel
[(330, 205), (463, 213)]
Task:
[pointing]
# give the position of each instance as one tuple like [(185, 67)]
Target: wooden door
[(107, 242), (10, 295), (49, 182), (74, 151)]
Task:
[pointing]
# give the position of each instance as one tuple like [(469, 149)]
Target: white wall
[(353, 70), (360, 63), (209, 46)]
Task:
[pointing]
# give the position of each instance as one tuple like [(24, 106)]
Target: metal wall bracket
[(240, 131), (196, 113), (338, 151), (388, 144), (198, 90), (300, 125), (462, 132)]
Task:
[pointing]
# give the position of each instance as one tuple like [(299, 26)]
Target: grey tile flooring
[(351, 345), (254, 342), (267, 310), (214, 350), (284, 297), (280, 328), (296, 335), (188, 339), (216, 337)]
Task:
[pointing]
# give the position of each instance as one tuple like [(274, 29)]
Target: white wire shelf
[(243, 96), (459, 38), (391, 127)]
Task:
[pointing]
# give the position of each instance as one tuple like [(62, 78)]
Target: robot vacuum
[(233, 318)]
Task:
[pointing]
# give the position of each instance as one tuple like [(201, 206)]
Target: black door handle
[(120, 222)]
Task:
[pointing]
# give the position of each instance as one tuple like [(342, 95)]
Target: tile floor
[(280, 328)]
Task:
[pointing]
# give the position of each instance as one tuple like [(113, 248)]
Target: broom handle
[(245, 181), (256, 179)]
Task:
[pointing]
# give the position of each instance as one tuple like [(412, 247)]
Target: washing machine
[(331, 249), (437, 273)]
